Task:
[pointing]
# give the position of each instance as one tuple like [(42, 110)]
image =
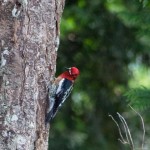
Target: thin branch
[(125, 128), (127, 131), (122, 139), (143, 126)]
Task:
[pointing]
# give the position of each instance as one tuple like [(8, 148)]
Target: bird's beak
[(66, 68)]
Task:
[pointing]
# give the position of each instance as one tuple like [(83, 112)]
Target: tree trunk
[(29, 39)]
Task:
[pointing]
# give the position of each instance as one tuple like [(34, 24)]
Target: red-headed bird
[(60, 90)]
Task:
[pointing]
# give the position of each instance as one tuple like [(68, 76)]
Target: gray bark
[(29, 35)]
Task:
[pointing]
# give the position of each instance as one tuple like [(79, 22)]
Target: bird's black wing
[(62, 94), (63, 91)]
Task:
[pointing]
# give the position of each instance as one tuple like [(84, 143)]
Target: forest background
[(109, 41)]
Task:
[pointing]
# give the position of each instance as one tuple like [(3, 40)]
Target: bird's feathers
[(57, 96)]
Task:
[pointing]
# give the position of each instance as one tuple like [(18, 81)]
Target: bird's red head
[(74, 72), (71, 73)]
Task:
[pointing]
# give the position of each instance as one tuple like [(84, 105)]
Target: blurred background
[(109, 41)]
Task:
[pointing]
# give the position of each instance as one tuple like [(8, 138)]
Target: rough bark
[(29, 37)]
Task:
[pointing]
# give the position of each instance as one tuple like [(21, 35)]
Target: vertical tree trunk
[(29, 35)]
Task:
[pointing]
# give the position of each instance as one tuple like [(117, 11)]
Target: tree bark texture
[(29, 39)]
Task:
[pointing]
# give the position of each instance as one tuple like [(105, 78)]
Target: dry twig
[(128, 137)]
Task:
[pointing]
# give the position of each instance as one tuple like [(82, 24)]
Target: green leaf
[(139, 97)]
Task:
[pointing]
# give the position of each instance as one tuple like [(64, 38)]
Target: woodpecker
[(60, 90)]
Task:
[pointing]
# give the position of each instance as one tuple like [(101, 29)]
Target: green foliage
[(145, 2), (102, 38), (139, 98), (140, 75)]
